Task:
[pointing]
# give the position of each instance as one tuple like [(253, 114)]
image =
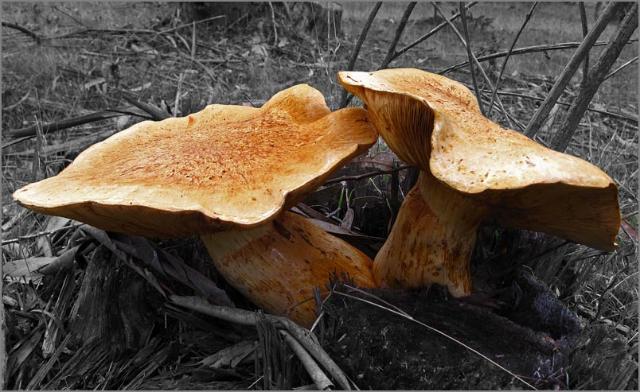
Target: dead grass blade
[(40, 234), (620, 68), (230, 356), (171, 266), (168, 265), (26, 269), (23, 350), (46, 368)]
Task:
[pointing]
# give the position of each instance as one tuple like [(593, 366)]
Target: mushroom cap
[(435, 123), (221, 168)]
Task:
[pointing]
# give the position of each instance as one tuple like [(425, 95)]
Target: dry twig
[(320, 379), (55, 126), (245, 317), (465, 29), (398, 35), (585, 31), (430, 33), (506, 59), (366, 175), (356, 50), (542, 113), (475, 59), (595, 78), (620, 68), (523, 50), (21, 29)]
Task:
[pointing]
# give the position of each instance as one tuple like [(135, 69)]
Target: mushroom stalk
[(277, 265), (432, 239)]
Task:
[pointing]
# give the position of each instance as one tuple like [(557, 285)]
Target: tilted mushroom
[(472, 171), (226, 173)]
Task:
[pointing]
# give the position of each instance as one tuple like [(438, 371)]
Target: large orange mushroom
[(472, 171), (226, 173)]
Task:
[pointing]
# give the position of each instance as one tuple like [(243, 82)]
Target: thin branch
[(506, 59), (540, 116), (132, 31), (603, 112), (23, 30), (155, 112), (475, 59), (63, 124), (55, 126), (394, 43), (16, 141), (432, 32), (465, 29), (40, 234), (320, 379), (275, 27), (524, 50), (245, 317), (356, 50), (399, 31), (595, 78), (585, 31), (365, 175)]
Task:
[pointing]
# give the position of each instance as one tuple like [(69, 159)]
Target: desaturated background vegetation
[(79, 59)]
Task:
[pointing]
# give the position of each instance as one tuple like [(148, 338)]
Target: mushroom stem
[(277, 265), (431, 240)]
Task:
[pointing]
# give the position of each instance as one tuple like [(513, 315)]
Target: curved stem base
[(278, 265), (431, 241)]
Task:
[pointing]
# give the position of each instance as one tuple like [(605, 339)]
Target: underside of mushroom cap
[(522, 179), (221, 168)]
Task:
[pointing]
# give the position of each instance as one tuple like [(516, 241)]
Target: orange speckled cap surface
[(223, 167)]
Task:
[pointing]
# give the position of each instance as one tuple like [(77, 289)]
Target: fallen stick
[(320, 379), (245, 317), (541, 115), (595, 77), (523, 50), (55, 126)]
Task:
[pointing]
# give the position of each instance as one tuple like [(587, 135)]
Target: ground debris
[(380, 349)]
